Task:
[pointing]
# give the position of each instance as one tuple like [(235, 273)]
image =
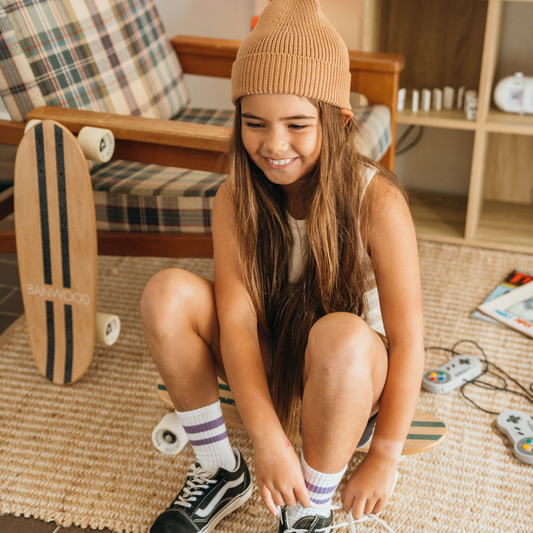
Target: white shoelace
[(199, 480), (351, 522)]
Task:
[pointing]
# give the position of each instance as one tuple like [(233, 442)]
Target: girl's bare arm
[(393, 247), (278, 468), (394, 251)]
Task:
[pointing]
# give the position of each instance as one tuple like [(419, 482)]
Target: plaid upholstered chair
[(108, 63)]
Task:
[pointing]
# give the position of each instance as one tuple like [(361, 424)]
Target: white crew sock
[(321, 489), (207, 434)]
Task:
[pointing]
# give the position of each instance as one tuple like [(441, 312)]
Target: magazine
[(515, 279), (514, 309)]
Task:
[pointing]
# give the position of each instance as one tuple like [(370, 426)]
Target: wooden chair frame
[(186, 145)]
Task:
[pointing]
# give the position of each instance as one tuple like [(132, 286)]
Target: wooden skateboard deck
[(57, 250), (427, 431)]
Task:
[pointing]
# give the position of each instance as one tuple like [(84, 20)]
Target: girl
[(315, 316)]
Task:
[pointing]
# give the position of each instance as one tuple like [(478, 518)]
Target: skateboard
[(427, 431), (55, 231)]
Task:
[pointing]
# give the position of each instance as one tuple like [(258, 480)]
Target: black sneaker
[(307, 524), (206, 499)]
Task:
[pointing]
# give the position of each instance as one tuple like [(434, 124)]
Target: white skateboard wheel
[(107, 328), (32, 123), (169, 436), (97, 144)]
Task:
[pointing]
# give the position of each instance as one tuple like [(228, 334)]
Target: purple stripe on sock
[(210, 440), (200, 428), (320, 490), (320, 502)]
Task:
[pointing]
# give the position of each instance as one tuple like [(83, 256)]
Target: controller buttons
[(464, 361), (437, 376), (514, 419), (525, 446)]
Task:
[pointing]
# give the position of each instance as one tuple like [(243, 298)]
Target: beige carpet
[(83, 454)]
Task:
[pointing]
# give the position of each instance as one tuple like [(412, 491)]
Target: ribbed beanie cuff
[(293, 50)]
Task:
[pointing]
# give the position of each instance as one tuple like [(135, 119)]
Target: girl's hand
[(279, 474), (370, 486)]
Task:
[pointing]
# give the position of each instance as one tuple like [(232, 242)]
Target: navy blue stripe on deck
[(43, 203), (62, 201), (51, 348), (69, 344)]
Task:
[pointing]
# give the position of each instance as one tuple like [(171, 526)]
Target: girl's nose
[(275, 143)]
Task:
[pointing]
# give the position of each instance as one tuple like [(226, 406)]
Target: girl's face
[(281, 133)]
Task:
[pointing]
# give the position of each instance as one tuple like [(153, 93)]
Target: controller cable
[(490, 369)]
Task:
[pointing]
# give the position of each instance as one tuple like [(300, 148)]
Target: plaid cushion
[(131, 196), (100, 55)]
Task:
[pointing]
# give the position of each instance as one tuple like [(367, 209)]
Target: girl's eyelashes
[(255, 125), (298, 126)]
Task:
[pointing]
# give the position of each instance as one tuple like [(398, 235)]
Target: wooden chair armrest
[(148, 140)]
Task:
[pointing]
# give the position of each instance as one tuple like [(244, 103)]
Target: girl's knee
[(340, 343), (167, 296)]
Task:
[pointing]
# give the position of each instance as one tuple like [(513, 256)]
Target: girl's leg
[(345, 371), (344, 375), (181, 329)]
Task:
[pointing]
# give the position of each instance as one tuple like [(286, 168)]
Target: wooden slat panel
[(6, 203), (155, 244), (137, 244), (11, 132)]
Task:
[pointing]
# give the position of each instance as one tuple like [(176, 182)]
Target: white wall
[(226, 19), (230, 19)]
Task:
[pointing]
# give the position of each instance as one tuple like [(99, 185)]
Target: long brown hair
[(332, 278)]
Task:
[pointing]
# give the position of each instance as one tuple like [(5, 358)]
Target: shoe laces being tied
[(351, 523), (199, 479)]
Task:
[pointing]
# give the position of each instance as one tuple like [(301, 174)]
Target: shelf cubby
[(471, 43)]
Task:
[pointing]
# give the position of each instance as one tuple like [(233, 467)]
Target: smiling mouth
[(279, 163)]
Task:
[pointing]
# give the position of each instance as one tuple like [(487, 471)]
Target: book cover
[(514, 309), (515, 279)]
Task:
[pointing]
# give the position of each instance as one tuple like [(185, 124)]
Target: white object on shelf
[(437, 99), (471, 101), (401, 99), (426, 99), (449, 93), (461, 97), (514, 94), (414, 103)]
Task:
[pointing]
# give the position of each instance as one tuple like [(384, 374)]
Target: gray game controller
[(451, 375), (518, 427)]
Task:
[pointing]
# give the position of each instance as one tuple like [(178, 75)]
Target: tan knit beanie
[(293, 50)]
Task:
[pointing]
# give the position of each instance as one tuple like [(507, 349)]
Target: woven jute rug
[(83, 454)]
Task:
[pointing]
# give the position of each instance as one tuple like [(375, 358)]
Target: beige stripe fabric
[(83, 454)]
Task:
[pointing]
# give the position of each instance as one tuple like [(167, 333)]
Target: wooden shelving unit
[(449, 40)]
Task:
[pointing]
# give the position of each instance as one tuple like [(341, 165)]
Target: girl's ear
[(347, 114)]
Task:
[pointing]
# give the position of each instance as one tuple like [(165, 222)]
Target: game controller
[(518, 427), (456, 372)]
